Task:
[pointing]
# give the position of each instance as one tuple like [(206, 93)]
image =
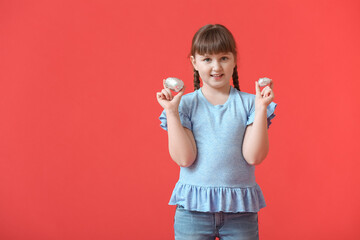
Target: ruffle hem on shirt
[(185, 121), (218, 199), (270, 114)]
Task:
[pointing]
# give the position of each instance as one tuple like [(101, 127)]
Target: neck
[(209, 91), (216, 96)]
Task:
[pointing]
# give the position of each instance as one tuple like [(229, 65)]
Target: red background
[(82, 155)]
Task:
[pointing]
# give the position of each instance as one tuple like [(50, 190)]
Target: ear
[(192, 59), (235, 60)]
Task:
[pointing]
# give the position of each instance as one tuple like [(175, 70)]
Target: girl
[(217, 134)]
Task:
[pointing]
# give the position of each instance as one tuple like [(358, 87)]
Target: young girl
[(217, 134)]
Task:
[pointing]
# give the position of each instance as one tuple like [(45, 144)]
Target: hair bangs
[(213, 39), (213, 44)]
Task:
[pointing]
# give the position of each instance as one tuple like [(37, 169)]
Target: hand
[(167, 100), (265, 97)]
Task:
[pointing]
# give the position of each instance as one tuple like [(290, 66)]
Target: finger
[(266, 91), (170, 93), (166, 94), (257, 88), (160, 95), (271, 95), (271, 84), (165, 84)]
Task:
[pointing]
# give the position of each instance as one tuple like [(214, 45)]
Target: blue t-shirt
[(219, 179)]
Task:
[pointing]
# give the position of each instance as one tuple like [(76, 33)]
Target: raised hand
[(265, 96), (167, 100)]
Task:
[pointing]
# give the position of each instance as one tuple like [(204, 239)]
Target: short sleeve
[(184, 118), (270, 113)]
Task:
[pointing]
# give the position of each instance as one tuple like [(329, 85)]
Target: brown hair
[(214, 39)]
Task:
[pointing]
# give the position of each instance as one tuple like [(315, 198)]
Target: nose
[(216, 65)]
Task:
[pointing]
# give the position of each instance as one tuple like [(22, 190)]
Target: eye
[(224, 58), (206, 59)]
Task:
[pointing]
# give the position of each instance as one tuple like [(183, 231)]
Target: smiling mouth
[(216, 75)]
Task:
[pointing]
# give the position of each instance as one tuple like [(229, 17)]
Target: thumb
[(257, 88), (178, 96)]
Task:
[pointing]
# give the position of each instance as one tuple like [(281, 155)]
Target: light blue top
[(219, 179)]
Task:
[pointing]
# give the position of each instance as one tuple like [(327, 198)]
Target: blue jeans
[(191, 225)]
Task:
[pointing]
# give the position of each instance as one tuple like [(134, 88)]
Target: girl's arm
[(182, 147), (256, 141)]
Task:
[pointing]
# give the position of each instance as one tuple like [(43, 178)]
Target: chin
[(220, 84), (217, 84)]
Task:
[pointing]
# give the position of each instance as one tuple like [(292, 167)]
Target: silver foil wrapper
[(174, 84), (264, 81)]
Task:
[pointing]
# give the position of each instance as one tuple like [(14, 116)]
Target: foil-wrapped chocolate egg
[(264, 81), (174, 84)]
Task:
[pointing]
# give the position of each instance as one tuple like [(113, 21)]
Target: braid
[(235, 78), (196, 80)]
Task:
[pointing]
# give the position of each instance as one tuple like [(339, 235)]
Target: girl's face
[(215, 70)]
